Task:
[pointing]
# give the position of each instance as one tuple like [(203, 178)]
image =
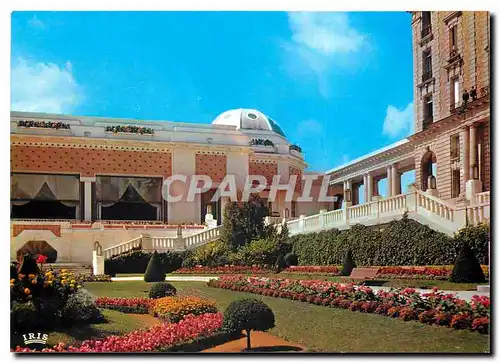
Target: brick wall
[(89, 162)]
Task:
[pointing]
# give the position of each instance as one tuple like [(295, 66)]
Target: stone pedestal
[(210, 221), (433, 192), (146, 242), (97, 263), (473, 187)]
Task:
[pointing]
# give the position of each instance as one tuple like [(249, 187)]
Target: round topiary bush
[(162, 289), (291, 259), (248, 315), (154, 271)]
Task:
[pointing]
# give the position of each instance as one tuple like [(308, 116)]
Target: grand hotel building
[(76, 181)]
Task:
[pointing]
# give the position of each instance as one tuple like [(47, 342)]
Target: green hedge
[(398, 243), (137, 261)]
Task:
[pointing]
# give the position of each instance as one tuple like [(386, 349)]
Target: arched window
[(428, 168)]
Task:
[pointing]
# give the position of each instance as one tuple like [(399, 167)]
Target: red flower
[(41, 259)]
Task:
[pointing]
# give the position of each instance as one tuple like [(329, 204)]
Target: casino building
[(80, 180)]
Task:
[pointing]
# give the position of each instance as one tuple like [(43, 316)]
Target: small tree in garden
[(348, 264), (280, 263), (467, 268), (154, 270), (248, 315), (244, 222)]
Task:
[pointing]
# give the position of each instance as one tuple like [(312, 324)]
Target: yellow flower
[(71, 285), (79, 286), (31, 276), (12, 281), (64, 270), (73, 281), (27, 291), (21, 276), (33, 282)]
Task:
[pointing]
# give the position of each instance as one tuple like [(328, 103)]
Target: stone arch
[(426, 168), (38, 248)]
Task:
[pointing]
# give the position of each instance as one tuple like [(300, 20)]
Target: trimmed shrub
[(214, 253), (81, 308), (477, 237), (348, 264), (291, 259), (248, 315), (259, 252), (154, 270), (280, 263), (137, 261), (398, 243), (162, 289), (467, 268)]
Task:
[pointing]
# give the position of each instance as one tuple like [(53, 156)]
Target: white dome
[(248, 119)]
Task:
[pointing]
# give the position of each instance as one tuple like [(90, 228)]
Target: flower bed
[(163, 337), (323, 270), (138, 305), (419, 272), (93, 278), (174, 309), (205, 270), (433, 308)]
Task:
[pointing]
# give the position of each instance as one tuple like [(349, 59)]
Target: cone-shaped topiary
[(248, 315), (291, 259), (280, 263), (348, 264), (154, 270), (467, 268)]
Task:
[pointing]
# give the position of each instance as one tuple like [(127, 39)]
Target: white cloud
[(43, 87), (325, 33), (318, 40), (36, 23), (398, 121)]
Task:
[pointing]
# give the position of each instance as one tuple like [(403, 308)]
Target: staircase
[(164, 244), (424, 208)]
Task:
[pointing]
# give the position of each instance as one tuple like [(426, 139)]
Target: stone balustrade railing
[(442, 215), (122, 247), (483, 197), (205, 236)]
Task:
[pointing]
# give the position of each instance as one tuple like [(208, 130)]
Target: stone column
[(394, 180), (465, 153), (365, 184), (472, 150), (369, 188), (87, 192), (389, 181), (375, 188), (347, 186)]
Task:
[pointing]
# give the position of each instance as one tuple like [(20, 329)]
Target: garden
[(270, 292)]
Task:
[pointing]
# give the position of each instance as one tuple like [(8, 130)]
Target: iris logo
[(35, 338)]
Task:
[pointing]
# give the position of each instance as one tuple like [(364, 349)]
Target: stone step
[(483, 288)]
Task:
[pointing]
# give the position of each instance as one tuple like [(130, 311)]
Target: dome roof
[(248, 119)]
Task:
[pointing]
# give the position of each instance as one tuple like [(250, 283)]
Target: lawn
[(324, 329)]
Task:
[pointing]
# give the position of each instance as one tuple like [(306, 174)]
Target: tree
[(244, 222), (154, 271), (467, 268), (348, 264), (248, 315)]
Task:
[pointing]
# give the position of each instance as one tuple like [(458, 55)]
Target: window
[(426, 65), (454, 93), (427, 110), (455, 147), (426, 23), (455, 183), (294, 209), (453, 40)]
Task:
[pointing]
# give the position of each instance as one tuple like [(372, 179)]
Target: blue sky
[(339, 84)]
